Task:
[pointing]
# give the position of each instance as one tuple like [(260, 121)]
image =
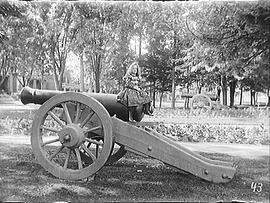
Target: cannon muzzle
[(35, 96)]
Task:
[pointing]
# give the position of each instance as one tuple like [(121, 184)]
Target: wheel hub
[(71, 136), (200, 104)]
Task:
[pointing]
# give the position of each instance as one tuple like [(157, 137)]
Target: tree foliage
[(237, 34), (204, 44)]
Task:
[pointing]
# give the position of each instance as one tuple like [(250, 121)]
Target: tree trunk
[(140, 45), (175, 56), (241, 95), (187, 100), (97, 82), (218, 93), (268, 96), (224, 89), (200, 89), (154, 98), (61, 78), (81, 73), (97, 73), (61, 75), (56, 82), (2, 80), (4, 68), (154, 94), (251, 97), (256, 98), (232, 91), (186, 104), (173, 87), (160, 99)]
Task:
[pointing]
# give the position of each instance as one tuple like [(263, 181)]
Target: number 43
[(256, 187)]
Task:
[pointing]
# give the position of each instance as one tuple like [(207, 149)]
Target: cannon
[(75, 134)]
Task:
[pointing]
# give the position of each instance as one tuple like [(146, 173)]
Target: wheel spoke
[(97, 149), (93, 129), (93, 141), (56, 118), (50, 142), (77, 112), (50, 129), (67, 159), (88, 152), (56, 152), (86, 119), (78, 158), (67, 113)]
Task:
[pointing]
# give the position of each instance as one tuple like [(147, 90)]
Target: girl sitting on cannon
[(133, 96)]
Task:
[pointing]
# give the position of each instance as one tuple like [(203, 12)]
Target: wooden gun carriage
[(75, 134)]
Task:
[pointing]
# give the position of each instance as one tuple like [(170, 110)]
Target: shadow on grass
[(132, 178)]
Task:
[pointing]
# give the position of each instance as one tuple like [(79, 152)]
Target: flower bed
[(250, 112), (190, 131), (214, 133)]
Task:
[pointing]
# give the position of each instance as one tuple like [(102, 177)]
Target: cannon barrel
[(109, 101)]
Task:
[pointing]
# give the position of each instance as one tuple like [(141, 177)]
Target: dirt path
[(18, 106), (247, 151)]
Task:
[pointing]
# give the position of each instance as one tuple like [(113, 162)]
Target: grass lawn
[(132, 178)]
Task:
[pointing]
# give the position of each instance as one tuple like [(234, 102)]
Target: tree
[(8, 13), (118, 53), (179, 41), (157, 66), (231, 30), (4, 64), (7, 9), (59, 31), (25, 49), (240, 31), (100, 20)]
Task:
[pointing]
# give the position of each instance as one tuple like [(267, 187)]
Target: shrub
[(214, 133)]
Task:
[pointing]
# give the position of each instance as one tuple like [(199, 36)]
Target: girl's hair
[(131, 67)]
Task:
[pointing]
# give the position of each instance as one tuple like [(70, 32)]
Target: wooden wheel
[(117, 153), (59, 139), (201, 101)]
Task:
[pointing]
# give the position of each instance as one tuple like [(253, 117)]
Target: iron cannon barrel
[(109, 101)]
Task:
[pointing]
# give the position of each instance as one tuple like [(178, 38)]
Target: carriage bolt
[(224, 176)]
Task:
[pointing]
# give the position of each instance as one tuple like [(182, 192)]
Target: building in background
[(11, 84)]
